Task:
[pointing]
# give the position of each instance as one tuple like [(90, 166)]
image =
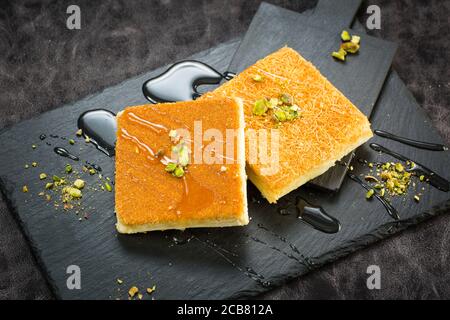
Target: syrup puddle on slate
[(389, 208), (411, 142), (316, 217), (433, 178), (181, 81), (63, 152), (100, 126)]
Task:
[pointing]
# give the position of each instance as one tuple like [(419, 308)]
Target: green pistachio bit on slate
[(338, 55), (356, 39), (24, 189), (34, 164), (92, 171), (350, 47), (171, 167), (260, 107), (79, 184), (74, 192), (68, 168), (42, 176), (108, 187), (345, 36), (179, 172), (370, 194), (79, 132), (49, 185), (183, 155), (71, 141)]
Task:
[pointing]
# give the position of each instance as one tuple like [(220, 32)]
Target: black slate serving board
[(360, 78), (200, 268)]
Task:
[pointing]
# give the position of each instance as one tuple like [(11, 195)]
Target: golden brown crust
[(148, 198), (330, 126)]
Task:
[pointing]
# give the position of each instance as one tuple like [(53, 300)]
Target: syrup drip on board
[(247, 271), (317, 217), (389, 208), (304, 260), (433, 178), (63, 152), (100, 126), (411, 142), (181, 81)]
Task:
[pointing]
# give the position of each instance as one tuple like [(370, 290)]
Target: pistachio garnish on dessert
[(283, 108)]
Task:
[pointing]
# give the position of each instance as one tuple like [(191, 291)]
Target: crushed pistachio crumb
[(355, 39), (132, 291), (71, 141), (345, 35), (24, 189), (119, 281), (79, 184), (42, 176), (170, 167), (79, 132), (260, 107), (422, 177), (68, 168), (151, 290), (257, 78), (108, 187), (178, 172), (370, 194), (417, 198), (34, 164), (49, 185), (87, 139)]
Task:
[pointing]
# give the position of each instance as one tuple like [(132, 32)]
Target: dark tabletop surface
[(43, 65)]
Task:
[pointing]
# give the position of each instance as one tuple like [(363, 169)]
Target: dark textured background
[(44, 65)]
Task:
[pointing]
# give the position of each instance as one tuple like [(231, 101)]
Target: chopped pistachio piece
[(280, 115), (178, 172), (132, 292), (417, 198), (42, 176), (79, 132), (260, 107), (422, 177), (355, 39), (73, 192), (370, 194), (24, 189), (273, 102), (350, 47), (68, 168), (71, 141), (399, 167), (108, 187), (338, 55), (257, 78), (79, 184), (382, 192), (119, 281), (34, 164), (171, 167), (345, 35), (287, 99), (151, 290), (49, 185), (92, 171)]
